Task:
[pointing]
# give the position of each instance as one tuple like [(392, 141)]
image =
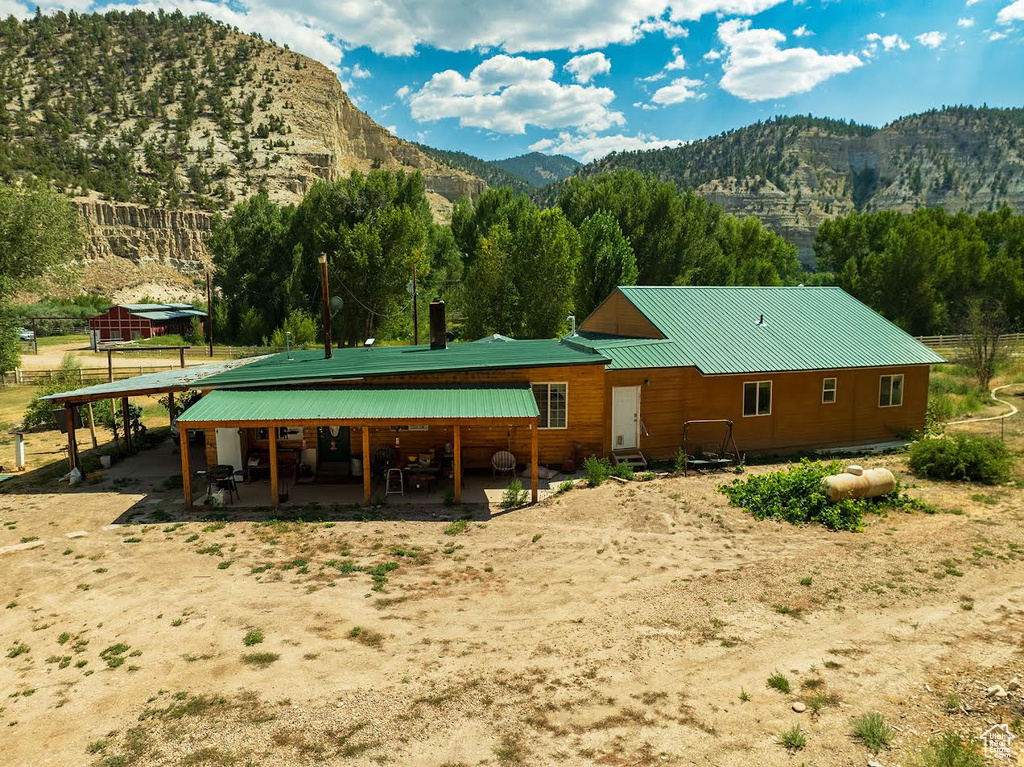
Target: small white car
[(24, 334)]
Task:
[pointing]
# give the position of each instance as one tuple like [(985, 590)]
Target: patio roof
[(359, 404), (178, 379)]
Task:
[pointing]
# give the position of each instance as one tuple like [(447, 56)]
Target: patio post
[(126, 423), (170, 405), (69, 418), (367, 482), (186, 476), (533, 460), (275, 495), (457, 448)]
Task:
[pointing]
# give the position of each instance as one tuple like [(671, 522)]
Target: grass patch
[(793, 738), (779, 681), (873, 731), (366, 636), (950, 749), (458, 527), (255, 636), (19, 649), (260, 659)]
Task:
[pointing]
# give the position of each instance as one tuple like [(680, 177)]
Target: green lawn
[(77, 338)]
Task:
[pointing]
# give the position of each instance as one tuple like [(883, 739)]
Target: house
[(790, 367), (130, 322)]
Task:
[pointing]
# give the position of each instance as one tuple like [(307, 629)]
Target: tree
[(301, 327), (606, 261), (984, 346), (38, 232)]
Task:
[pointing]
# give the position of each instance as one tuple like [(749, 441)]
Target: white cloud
[(933, 39), (997, 36), (965, 22), (652, 78), (586, 68), (1011, 13), (677, 63), (13, 8), (888, 43), (802, 31), (402, 92), (588, 148), (972, 2), (694, 9), (507, 93), (712, 55), (757, 69), (682, 89)]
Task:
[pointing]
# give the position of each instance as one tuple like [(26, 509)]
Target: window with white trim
[(890, 391), (828, 391), (757, 398), (552, 401)]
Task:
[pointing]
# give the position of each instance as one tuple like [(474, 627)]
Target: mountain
[(795, 172), (538, 169), (153, 122), (487, 170)]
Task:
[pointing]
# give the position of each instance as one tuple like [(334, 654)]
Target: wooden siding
[(582, 437), (618, 317), (798, 417)]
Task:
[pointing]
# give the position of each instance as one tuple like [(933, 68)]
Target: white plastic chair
[(390, 487)]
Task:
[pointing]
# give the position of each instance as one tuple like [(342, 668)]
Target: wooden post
[(533, 461), (457, 449), (92, 426), (170, 405), (272, 433), (126, 425), (69, 416), (186, 477), (209, 313), (325, 305), (367, 488), (110, 365), (182, 352)]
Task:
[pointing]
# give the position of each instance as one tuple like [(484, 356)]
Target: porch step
[(635, 460)]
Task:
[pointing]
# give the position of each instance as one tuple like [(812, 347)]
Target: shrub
[(65, 378), (873, 731), (793, 738), (622, 471), (962, 457), (255, 636), (597, 470), (794, 495), (779, 681), (514, 495), (949, 749), (679, 461)]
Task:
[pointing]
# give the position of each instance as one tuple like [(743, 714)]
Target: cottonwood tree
[(983, 346), (606, 261)]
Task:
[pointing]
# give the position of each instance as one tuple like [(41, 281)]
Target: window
[(551, 401), (757, 398), (828, 391), (890, 391)]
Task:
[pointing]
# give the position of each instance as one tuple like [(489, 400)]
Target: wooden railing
[(955, 341)]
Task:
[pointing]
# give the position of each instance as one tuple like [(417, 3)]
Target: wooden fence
[(83, 376), (954, 342)]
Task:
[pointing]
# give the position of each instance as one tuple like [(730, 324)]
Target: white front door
[(625, 417)]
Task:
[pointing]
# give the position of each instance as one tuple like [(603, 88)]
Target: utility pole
[(326, 301), (209, 312), (415, 311)]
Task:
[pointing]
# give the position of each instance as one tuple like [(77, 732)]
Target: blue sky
[(585, 77)]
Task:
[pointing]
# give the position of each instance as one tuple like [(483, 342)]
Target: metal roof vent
[(760, 322)]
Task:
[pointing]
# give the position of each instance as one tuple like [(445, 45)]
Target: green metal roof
[(170, 314), (719, 330), (363, 403), (365, 362), (154, 383), (630, 353)]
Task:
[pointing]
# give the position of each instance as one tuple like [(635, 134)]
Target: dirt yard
[(625, 625)]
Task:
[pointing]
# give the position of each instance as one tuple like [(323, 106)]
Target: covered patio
[(364, 410)]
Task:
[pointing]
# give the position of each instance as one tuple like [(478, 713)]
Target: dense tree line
[(505, 265), (923, 270)]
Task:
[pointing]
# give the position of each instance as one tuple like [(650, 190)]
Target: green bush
[(597, 470), (794, 495), (39, 412), (962, 457), (950, 749), (622, 471), (514, 495)]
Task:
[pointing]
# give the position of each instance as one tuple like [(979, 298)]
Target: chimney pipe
[(326, 301), (438, 331)]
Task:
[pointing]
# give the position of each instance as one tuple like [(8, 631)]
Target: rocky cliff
[(794, 173), (155, 122)]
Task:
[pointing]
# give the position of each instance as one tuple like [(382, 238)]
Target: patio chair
[(503, 462), (382, 459)]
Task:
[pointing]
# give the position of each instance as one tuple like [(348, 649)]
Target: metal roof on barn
[(358, 403), (161, 312), (731, 330), (364, 362)]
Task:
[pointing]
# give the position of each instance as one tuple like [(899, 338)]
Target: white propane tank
[(19, 451), (858, 483)]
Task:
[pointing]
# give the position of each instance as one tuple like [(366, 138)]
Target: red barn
[(130, 322)]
